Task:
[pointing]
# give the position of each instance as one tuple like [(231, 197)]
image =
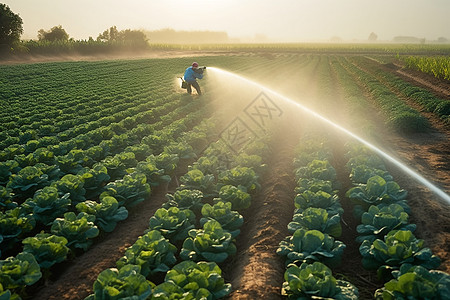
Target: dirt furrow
[(257, 271)]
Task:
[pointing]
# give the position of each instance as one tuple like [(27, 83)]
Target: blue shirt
[(190, 75)]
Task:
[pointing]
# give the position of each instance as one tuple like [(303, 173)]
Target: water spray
[(396, 162)]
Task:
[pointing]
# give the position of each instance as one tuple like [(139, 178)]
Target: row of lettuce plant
[(397, 114), (112, 176), (33, 127), (47, 105), (41, 150), (312, 249), (77, 231), (430, 102), (54, 162), (187, 248), (388, 244), (71, 126), (23, 177)]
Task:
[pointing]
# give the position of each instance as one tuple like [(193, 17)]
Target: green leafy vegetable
[(376, 191), (152, 252), (237, 196), (130, 190), (77, 229), (193, 277), (230, 220), (318, 199), (72, 184), (310, 246), (316, 281), (318, 219), (94, 179), (196, 180), (240, 176), (415, 282), (185, 199), (211, 243), (47, 205), (46, 248), (173, 223), (318, 169), (379, 220), (314, 185), (107, 213), (20, 271), (14, 223), (126, 283), (399, 247)]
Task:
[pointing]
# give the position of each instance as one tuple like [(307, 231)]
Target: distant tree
[(133, 37), (109, 35), (442, 40), (57, 33), (373, 37), (10, 26)]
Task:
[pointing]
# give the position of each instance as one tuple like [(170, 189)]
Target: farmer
[(190, 76)]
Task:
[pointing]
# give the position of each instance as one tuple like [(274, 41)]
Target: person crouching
[(190, 76)]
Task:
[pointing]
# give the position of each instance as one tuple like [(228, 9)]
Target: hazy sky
[(286, 20)]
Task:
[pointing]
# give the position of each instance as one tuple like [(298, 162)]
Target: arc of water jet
[(398, 163)]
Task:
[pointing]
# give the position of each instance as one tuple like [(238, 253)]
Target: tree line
[(57, 41)]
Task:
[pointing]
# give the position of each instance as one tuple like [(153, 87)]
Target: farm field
[(100, 152)]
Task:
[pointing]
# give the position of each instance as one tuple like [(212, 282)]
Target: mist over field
[(243, 21)]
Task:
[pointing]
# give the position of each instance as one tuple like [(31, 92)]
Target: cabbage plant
[(318, 219), (196, 180), (381, 219), (399, 247), (151, 252), (130, 190), (211, 243), (377, 191), (14, 223), (195, 278), (240, 176), (319, 199), (316, 281), (310, 246), (72, 184), (415, 282), (48, 249), (79, 230), (126, 283), (236, 195), (47, 205), (107, 213), (19, 271), (185, 199), (230, 220), (173, 223), (318, 169)]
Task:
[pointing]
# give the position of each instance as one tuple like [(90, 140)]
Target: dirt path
[(257, 271)]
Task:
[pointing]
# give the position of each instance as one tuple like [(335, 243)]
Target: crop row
[(438, 66), (70, 157), (431, 103), (217, 187), (388, 244), (80, 181), (312, 249), (397, 114), (76, 231)]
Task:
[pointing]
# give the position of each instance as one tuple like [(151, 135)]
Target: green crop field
[(241, 195)]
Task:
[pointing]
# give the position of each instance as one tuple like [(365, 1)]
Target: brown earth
[(256, 272)]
